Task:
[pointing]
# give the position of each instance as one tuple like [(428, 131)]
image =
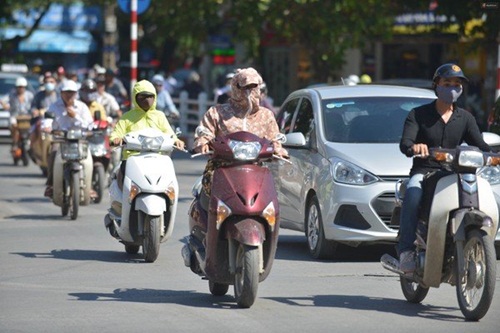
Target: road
[(59, 275)]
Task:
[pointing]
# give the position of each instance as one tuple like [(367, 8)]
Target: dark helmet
[(449, 70), (88, 85)]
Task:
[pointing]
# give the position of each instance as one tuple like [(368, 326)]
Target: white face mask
[(49, 86)]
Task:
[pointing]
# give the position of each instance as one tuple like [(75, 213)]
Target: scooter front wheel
[(246, 277), (475, 283), (218, 289), (98, 181), (414, 293), (151, 238), (74, 195)]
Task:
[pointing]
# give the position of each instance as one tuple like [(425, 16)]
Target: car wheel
[(319, 246)]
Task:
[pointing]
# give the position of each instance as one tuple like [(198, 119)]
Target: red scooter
[(234, 232)]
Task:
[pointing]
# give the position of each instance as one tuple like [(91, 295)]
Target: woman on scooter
[(241, 112), (440, 123), (142, 115)]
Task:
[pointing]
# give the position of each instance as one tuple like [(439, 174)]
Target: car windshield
[(367, 119), (7, 84)]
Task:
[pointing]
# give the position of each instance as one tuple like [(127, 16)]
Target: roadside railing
[(191, 111)]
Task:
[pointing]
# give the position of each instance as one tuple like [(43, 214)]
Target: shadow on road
[(388, 305), (181, 297), (294, 247), (84, 255)]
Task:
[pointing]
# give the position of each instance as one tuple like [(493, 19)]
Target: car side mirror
[(295, 139)]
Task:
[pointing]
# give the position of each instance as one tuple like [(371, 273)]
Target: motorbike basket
[(23, 122), (74, 150)]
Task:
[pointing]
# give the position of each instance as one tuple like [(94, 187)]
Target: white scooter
[(143, 212)]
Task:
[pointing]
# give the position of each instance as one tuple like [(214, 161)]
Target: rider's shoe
[(49, 191), (407, 262)]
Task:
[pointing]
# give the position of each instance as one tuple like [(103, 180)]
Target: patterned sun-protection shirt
[(221, 120)]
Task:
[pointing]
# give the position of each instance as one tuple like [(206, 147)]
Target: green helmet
[(447, 71)]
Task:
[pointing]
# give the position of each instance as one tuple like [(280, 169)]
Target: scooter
[(40, 141), (101, 155), (462, 221), (20, 151), (143, 212), (234, 232), (72, 171)]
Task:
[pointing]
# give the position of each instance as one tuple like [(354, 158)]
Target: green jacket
[(137, 119)]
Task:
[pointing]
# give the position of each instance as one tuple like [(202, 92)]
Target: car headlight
[(150, 143), (245, 151), (491, 174), (348, 173)]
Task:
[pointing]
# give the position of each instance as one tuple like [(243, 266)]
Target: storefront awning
[(55, 41)]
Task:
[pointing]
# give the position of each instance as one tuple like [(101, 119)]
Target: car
[(343, 143)]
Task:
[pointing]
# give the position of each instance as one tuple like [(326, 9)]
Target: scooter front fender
[(248, 231), (151, 204)]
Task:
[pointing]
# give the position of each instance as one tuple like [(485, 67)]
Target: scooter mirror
[(178, 131), (97, 115), (49, 115), (280, 137)]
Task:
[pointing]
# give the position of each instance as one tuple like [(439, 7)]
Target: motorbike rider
[(164, 100), (107, 100), (19, 104), (142, 115), (242, 112), (440, 123), (69, 112), (88, 95), (45, 97)]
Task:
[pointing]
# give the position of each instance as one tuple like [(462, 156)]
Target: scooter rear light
[(134, 191), (223, 211), (269, 214)]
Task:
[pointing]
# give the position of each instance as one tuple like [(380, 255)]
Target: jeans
[(409, 214)]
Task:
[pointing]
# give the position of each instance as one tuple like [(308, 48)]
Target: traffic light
[(223, 56)]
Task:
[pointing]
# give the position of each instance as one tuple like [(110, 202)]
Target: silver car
[(340, 186)]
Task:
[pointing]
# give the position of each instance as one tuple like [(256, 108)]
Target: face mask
[(50, 86), (448, 95)]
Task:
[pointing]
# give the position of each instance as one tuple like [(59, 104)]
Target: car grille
[(384, 205)]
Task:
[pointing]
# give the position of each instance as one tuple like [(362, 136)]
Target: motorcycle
[(143, 212), (101, 155), (72, 171), (234, 232), (21, 148), (462, 221), (40, 141)]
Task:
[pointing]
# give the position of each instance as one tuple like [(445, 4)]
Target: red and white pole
[(497, 94), (133, 44)]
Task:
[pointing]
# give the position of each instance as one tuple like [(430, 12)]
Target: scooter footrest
[(390, 263)]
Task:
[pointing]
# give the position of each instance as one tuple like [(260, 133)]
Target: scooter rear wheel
[(475, 284), (414, 293), (246, 278)]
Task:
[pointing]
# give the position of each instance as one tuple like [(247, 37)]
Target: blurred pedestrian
[(265, 100), (193, 85), (114, 86), (107, 100), (222, 94)]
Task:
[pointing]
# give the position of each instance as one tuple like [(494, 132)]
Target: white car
[(340, 187)]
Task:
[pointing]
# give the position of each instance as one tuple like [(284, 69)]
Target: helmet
[(88, 84), (365, 78), (447, 71), (21, 82)]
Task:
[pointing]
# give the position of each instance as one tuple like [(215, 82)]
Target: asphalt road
[(58, 275)]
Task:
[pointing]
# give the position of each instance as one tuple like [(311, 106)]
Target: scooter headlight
[(269, 214), (471, 159), (150, 143), (223, 211), (74, 133), (245, 151)]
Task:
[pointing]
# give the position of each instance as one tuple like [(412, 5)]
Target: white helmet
[(21, 82)]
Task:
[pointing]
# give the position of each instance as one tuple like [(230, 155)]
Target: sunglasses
[(248, 86)]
